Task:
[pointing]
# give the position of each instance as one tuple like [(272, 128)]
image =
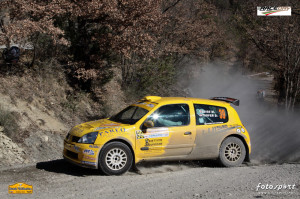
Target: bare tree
[(278, 39)]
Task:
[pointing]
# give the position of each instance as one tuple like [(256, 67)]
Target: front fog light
[(88, 138)]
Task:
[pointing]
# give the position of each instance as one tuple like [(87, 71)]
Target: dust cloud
[(275, 134)]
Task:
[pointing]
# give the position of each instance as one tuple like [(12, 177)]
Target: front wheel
[(232, 152), (115, 158)]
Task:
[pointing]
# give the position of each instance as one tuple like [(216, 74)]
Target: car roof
[(157, 99)]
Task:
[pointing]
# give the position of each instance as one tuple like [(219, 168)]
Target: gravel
[(59, 179)]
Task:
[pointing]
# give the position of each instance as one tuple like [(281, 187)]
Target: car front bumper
[(84, 155)]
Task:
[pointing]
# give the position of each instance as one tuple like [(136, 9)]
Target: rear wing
[(235, 102)]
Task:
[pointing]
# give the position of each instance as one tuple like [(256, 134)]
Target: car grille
[(75, 138), (72, 155)]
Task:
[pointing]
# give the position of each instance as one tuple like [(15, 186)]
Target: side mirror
[(149, 124)]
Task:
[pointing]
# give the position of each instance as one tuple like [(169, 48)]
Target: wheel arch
[(124, 142), (247, 158)]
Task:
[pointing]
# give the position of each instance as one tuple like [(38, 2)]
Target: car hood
[(98, 125)]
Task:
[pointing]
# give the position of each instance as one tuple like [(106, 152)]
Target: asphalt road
[(59, 179)]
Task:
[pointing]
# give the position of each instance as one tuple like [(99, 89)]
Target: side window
[(171, 115), (208, 114)]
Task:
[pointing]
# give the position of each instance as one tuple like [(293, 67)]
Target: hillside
[(38, 107)]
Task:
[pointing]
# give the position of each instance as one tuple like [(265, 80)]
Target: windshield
[(129, 115)]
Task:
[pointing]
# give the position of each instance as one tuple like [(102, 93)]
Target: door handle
[(188, 133)]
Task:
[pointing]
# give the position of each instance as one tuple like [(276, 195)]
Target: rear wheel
[(115, 158), (232, 152)]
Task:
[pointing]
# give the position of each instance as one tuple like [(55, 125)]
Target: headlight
[(88, 138)]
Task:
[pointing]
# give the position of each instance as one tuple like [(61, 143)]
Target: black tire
[(232, 152), (115, 158)]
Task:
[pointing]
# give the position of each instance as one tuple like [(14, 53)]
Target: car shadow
[(62, 166), (192, 163)]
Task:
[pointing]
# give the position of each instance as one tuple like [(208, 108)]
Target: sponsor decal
[(76, 148), (94, 146), (157, 135), (139, 134), (20, 188), (213, 123), (221, 128), (154, 142), (145, 104), (112, 131), (211, 113), (111, 124), (207, 113), (236, 126), (89, 152), (274, 10), (88, 157), (99, 128), (141, 103), (240, 129), (89, 163), (152, 133)]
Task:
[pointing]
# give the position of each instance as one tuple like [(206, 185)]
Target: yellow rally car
[(161, 128)]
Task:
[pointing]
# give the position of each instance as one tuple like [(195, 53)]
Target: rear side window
[(208, 114)]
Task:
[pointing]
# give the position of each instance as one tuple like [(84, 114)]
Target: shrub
[(9, 122)]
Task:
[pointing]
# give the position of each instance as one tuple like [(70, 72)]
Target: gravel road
[(59, 179)]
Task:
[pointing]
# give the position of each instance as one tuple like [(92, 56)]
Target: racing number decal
[(222, 113)]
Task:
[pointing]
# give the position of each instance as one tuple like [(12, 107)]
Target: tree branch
[(171, 6)]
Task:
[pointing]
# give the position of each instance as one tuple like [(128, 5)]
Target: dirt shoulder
[(58, 179)]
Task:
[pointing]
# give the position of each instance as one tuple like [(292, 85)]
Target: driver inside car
[(169, 118), (171, 115), (165, 121)]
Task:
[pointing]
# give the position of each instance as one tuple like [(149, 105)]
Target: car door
[(211, 128), (173, 132)]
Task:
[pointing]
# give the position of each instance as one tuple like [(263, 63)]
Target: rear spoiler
[(235, 102)]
